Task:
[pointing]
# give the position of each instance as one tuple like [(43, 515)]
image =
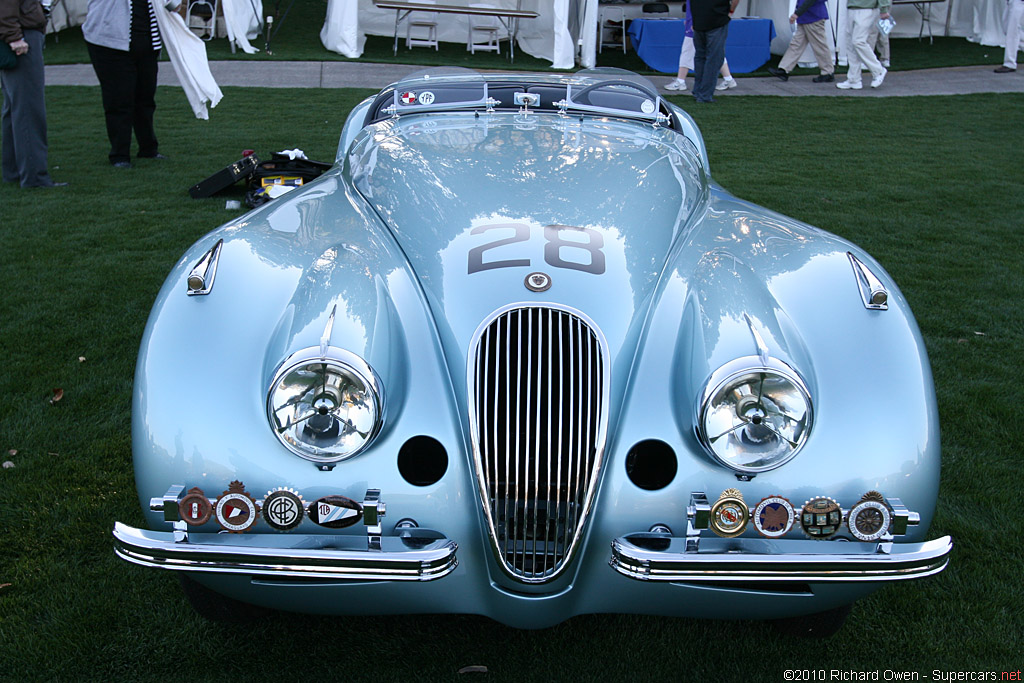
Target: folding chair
[(201, 17), (422, 20), (485, 25), (611, 19)]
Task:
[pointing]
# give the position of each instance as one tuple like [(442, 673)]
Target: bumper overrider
[(657, 555), (417, 554)]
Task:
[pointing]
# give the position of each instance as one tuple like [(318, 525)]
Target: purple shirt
[(810, 11)]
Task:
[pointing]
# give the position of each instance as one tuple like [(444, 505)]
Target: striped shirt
[(144, 26)]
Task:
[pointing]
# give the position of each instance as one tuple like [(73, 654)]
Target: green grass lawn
[(298, 39), (931, 186)]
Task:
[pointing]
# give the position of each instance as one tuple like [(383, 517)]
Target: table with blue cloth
[(659, 41)]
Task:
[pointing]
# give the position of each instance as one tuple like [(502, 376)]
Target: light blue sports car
[(516, 354)]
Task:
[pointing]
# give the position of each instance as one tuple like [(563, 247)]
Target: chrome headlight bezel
[(341, 362), (735, 374)]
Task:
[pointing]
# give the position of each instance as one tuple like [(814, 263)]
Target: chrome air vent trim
[(538, 380), (872, 291), (200, 280)]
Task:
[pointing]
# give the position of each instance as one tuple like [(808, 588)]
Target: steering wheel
[(585, 92)]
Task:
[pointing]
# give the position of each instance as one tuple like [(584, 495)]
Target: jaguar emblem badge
[(538, 282)]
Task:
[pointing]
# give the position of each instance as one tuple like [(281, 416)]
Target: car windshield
[(604, 91)]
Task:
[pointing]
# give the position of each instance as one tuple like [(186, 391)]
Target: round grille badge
[(729, 514), (538, 282), (870, 518), (195, 507), (774, 516), (283, 509), (236, 510), (821, 517)]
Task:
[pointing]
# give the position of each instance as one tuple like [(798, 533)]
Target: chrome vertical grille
[(538, 395)]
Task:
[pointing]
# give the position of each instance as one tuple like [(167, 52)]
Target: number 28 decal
[(565, 246)]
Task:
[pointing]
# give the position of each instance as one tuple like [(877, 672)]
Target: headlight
[(754, 416), (325, 408)]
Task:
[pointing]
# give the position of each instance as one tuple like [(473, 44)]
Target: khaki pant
[(814, 34), (861, 25)]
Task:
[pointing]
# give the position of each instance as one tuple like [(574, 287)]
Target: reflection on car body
[(518, 355)]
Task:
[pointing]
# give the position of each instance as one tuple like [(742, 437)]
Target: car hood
[(477, 203)]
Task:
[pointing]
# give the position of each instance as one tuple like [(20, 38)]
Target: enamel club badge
[(821, 517), (236, 510), (283, 509), (870, 518), (729, 514), (195, 507), (335, 512), (774, 516)]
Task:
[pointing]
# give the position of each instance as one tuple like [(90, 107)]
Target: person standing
[(686, 60), (809, 18), (1011, 17), (24, 107), (124, 45), (861, 26), (710, 29)]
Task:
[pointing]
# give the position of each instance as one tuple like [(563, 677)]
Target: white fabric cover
[(341, 28), (187, 53), (243, 24)]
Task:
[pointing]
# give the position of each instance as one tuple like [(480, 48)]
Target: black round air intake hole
[(651, 464), (422, 461)]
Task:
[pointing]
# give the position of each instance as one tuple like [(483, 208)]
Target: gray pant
[(24, 118)]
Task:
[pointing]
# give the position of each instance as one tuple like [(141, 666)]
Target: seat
[(201, 17), (488, 27), (654, 8), (611, 19), (422, 21)]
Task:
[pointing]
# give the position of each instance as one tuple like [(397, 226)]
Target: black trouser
[(128, 84)]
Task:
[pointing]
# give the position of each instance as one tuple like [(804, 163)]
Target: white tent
[(553, 35), (567, 25)]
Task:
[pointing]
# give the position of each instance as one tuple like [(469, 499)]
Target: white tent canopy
[(550, 36), (565, 25)]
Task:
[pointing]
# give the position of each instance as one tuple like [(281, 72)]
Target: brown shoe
[(1004, 70)]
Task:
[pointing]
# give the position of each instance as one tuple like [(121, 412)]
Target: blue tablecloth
[(659, 41)]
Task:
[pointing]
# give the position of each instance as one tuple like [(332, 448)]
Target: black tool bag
[(225, 178)]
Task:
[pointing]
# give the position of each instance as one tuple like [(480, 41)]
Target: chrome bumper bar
[(659, 557), (414, 555)]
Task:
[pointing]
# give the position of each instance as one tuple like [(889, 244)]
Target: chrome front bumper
[(658, 557), (419, 555)]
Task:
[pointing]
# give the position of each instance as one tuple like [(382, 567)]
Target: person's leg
[(25, 117), (685, 64), (714, 58), (726, 74), (865, 24), (881, 44), (700, 56), (116, 73), (145, 100), (9, 165), (797, 45), (815, 35), (1014, 10)]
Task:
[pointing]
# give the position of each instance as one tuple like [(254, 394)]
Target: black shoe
[(1004, 70), (778, 73), (158, 155), (824, 78), (122, 164)]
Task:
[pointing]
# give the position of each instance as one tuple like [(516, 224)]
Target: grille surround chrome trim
[(599, 428)]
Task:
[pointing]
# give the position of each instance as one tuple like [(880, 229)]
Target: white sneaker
[(849, 85), (885, 63), (676, 84), (726, 83), (877, 80)]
